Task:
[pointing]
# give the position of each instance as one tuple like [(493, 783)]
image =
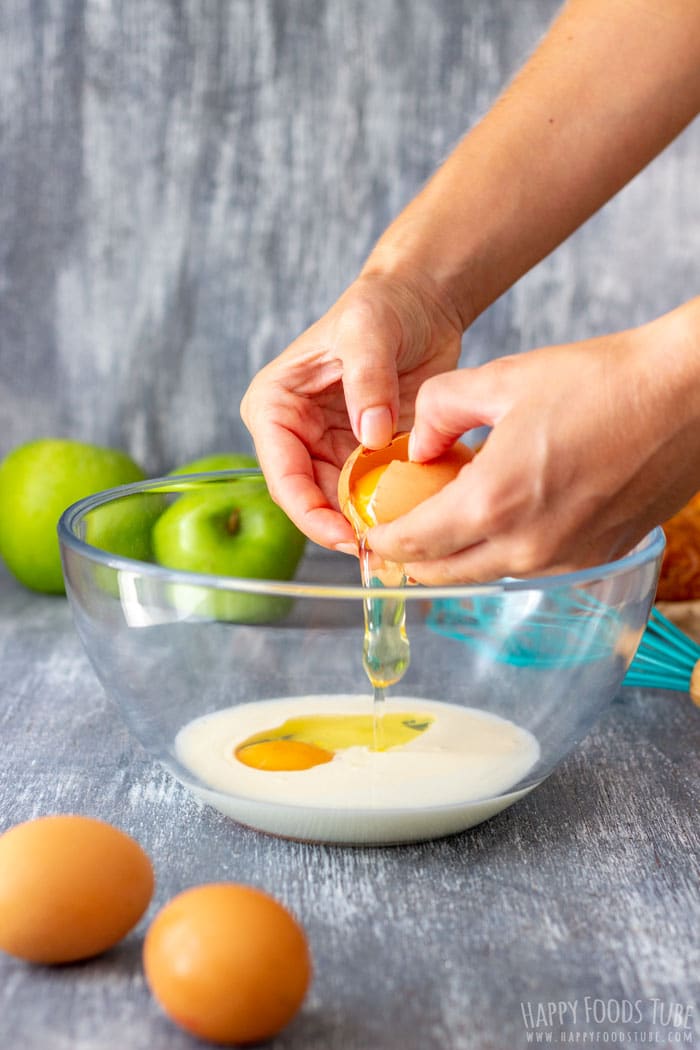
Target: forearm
[(611, 84)]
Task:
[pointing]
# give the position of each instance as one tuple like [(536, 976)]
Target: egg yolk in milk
[(301, 743)]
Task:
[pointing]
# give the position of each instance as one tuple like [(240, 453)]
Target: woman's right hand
[(591, 444), (351, 378)]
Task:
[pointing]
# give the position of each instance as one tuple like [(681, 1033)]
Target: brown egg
[(70, 887), (227, 963), (377, 486)]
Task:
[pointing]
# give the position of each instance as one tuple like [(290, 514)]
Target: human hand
[(591, 445), (352, 377)]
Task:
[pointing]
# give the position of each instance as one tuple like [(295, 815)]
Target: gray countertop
[(185, 187), (585, 892)]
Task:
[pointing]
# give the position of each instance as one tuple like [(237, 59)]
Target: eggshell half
[(403, 484)]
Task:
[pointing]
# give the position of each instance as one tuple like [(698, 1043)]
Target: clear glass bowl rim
[(649, 548)]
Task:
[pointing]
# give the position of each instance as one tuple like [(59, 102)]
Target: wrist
[(389, 262), (672, 362)]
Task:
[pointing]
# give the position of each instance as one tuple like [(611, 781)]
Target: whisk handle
[(694, 689)]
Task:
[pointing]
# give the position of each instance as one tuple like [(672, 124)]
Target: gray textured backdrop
[(185, 186)]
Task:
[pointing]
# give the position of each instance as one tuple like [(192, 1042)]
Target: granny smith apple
[(38, 481), (233, 529), (218, 461), (124, 526)]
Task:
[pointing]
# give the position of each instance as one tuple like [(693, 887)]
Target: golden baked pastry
[(680, 569)]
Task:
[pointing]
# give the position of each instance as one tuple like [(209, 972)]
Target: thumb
[(448, 405), (368, 342)]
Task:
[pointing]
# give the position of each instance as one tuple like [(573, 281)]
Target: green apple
[(38, 481), (233, 529), (123, 526), (218, 461)]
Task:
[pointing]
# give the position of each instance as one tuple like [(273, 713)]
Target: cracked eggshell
[(403, 484)]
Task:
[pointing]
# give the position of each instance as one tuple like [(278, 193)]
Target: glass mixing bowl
[(503, 680)]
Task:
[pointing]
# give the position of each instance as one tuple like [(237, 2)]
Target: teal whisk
[(666, 659), (567, 630)]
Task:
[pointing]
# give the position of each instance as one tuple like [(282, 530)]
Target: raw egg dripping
[(374, 488)]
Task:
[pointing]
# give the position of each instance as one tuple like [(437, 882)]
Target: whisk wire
[(571, 630)]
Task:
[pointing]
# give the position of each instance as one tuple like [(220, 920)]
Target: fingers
[(303, 493), (448, 405), (294, 485), (449, 537), (338, 382), (368, 337), (437, 541), (551, 490), (470, 545), (524, 557), (476, 527), (298, 414)]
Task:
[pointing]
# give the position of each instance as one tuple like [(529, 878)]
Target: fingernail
[(376, 427), (411, 445), (346, 548)]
